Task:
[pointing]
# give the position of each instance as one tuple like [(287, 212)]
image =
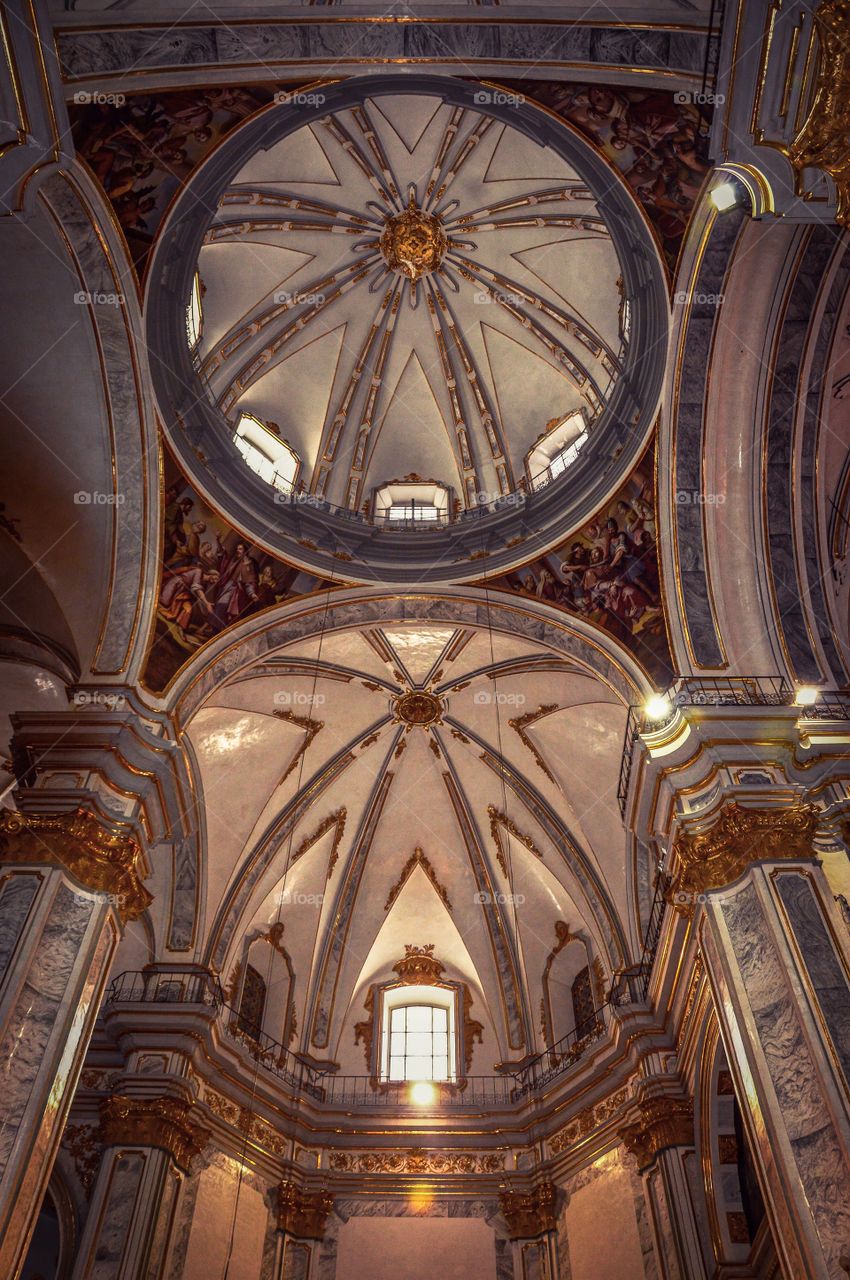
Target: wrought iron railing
[(725, 691)]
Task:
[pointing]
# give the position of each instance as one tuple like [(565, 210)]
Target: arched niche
[(262, 992), (735, 1210), (570, 991)]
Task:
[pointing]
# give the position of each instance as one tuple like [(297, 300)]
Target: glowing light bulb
[(724, 196), (806, 695), (657, 707)]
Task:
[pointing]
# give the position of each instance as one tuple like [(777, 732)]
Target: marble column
[(532, 1221), (778, 962), (67, 884), (659, 1133), (149, 1146), (301, 1219)]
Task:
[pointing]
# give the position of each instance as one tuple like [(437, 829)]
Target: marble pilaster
[(66, 884), (778, 964), (658, 1134), (150, 1143)]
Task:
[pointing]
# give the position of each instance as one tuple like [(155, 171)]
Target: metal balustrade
[(201, 992), (724, 691)]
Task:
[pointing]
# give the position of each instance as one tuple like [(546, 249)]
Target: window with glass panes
[(419, 1042)]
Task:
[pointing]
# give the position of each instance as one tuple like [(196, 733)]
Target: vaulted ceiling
[(407, 286), (326, 767)]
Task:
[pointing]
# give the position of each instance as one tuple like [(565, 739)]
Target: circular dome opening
[(407, 288)]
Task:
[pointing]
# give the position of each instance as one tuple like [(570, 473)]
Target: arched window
[(266, 453)]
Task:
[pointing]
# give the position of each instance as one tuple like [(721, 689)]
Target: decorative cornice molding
[(417, 859), (163, 1123), (660, 1123), (530, 1214), (104, 860), (302, 1214), (588, 1120), (417, 1162), (718, 856)]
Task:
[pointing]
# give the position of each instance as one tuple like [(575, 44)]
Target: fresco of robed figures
[(144, 149), (211, 577), (608, 574)]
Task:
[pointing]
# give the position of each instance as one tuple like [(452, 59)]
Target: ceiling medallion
[(419, 707), (413, 242)]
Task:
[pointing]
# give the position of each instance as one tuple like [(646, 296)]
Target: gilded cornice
[(530, 1214), (104, 860), (660, 1123), (162, 1122), (718, 856), (417, 1162), (302, 1214)]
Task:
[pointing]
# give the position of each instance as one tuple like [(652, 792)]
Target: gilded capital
[(164, 1123), (103, 859), (660, 1123), (822, 141), (718, 856), (302, 1214), (530, 1214)]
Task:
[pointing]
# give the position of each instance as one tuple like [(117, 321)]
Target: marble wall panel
[(17, 894)]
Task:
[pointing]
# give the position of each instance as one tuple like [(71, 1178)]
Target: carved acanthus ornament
[(336, 820), (165, 1123), (660, 1123), (417, 859), (520, 723), (416, 1162), (530, 1214), (822, 141), (717, 857), (419, 966), (365, 1030), (104, 860), (302, 1214), (588, 1120), (472, 1030)]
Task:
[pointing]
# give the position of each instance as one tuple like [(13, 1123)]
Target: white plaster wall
[(416, 1249), (212, 1220), (602, 1229)]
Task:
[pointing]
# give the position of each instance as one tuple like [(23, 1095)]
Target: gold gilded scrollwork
[(660, 1123), (718, 856), (302, 1214), (530, 1214), (822, 142), (163, 1122), (105, 860)]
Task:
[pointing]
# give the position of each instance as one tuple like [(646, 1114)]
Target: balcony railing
[(201, 992), (726, 691)]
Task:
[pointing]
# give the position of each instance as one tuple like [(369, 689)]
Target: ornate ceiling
[(407, 286), (408, 280), (410, 783)]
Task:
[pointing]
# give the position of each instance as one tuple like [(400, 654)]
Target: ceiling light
[(423, 1093), (806, 695), (657, 707), (724, 196)]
